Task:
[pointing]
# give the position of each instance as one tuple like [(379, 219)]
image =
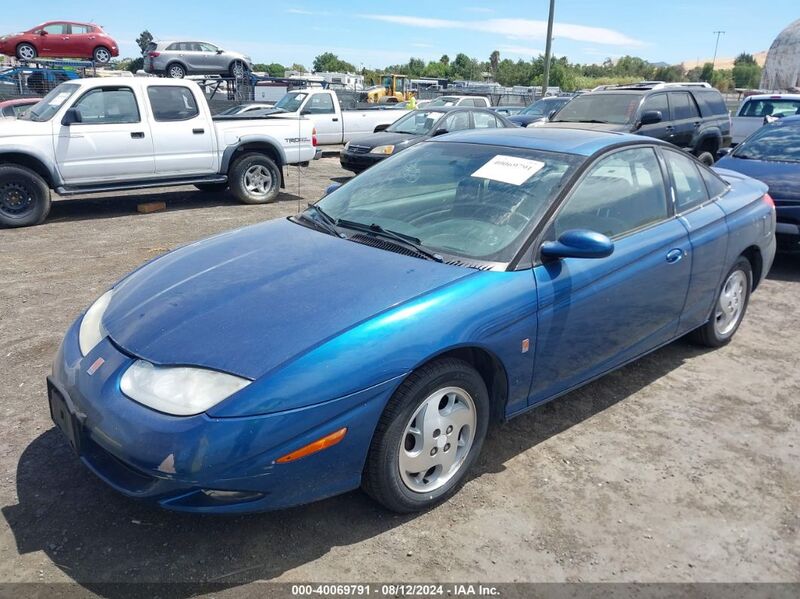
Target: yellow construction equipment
[(394, 89)]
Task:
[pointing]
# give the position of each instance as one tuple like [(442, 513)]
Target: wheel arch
[(33, 163), (248, 145), (708, 141), (178, 62), (753, 255)]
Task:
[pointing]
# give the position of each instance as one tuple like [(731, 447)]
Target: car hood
[(386, 138), (589, 126), (782, 178), (13, 127), (248, 301), (524, 120)]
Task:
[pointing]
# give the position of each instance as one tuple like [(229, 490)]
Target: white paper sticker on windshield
[(509, 169), (59, 99)]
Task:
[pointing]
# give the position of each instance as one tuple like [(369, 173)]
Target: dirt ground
[(684, 466)]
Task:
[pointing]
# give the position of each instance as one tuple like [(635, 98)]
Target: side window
[(457, 122), (79, 29), (173, 47), (207, 47), (9, 111), (683, 106), (484, 120), (620, 193), (108, 105), (172, 103), (320, 104), (657, 102), (690, 191), (56, 28), (715, 186)]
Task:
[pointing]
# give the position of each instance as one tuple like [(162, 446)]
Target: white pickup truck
[(757, 109), (112, 133), (333, 125)]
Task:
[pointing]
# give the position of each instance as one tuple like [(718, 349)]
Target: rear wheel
[(428, 437), (26, 52), (255, 179), (729, 308), (24, 197), (176, 71), (211, 187), (706, 158), (101, 54)]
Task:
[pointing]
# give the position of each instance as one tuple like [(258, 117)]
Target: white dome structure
[(782, 68)]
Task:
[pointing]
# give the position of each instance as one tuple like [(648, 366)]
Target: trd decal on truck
[(295, 140)]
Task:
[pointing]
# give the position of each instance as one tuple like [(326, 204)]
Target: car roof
[(583, 142), (792, 121), (773, 97), (18, 101)]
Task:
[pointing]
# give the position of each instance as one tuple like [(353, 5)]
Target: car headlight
[(382, 150), (346, 146), (178, 390), (91, 331)]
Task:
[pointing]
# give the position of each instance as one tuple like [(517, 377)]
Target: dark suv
[(692, 116)]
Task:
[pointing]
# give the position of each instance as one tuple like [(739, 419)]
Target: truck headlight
[(91, 331), (178, 390), (382, 150)]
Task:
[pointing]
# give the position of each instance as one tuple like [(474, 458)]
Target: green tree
[(707, 72), (744, 58), (137, 64), (746, 75), (273, 70), (298, 67), (445, 59), (415, 67), (328, 61), (145, 37), (494, 61), (436, 69)]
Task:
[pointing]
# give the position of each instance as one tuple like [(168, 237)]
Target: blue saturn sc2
[(371, 339)]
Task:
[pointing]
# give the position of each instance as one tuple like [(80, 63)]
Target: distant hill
[(723, 62)]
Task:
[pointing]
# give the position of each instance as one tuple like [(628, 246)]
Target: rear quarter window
[(711, 102)]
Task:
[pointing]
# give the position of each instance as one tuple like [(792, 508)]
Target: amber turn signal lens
[(314, 447)]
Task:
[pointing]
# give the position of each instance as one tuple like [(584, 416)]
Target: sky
[(374, 34)]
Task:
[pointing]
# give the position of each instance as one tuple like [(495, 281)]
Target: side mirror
[(331, 188), (381, 127), (72, 115), (651, 117), (579, 243), (723, 152), (220, 50), (42, 32), (551, 114), (439, 132)]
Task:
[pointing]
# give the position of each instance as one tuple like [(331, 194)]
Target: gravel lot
[(684, 466)]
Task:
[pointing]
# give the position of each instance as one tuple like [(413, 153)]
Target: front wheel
[(238, 69), (26, 52), (24, 197), (428, 437), (729, 308), (255, 179), (102, 55), (706, 158)]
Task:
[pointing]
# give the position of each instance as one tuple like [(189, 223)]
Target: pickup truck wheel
[(211, 187), (255, 179), (176, 71), (706, 158), (26, 52), (24, 197), (729, 308)]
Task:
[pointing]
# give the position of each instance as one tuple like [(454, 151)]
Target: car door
[(55, 40), (686, 117), (596, 314), (79, 43), (208, 61), (664, 129), (320, 109), (112, 141), (694, 187), (183, 141)]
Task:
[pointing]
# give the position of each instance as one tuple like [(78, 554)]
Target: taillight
[(314, 137), (154, 54), (768, 200)]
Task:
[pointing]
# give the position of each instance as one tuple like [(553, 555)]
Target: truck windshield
[(618, 109), (444, 101), (419, 122), (291, 102), (49, 105), (543, 107)]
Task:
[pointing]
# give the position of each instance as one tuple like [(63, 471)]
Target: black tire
[(706, 158), (709, 334), (232, 69), (175, 70), (211, 187), (382, 479), (25, 48), (240, 170), (24, 197), (102, 55)]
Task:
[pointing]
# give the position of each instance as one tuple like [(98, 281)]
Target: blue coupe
[(772, 155), (371, 339)]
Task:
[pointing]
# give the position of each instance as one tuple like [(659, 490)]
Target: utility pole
[(547, 48), (716, 45)]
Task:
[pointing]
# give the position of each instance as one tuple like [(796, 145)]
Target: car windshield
[(771, 107), (419, 122), (291, 102), (772, 143), (618, 109), (49, 105), (444, 101), (543, 107), (463, 199)]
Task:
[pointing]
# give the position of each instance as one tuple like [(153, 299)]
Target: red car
[(61, 39), (13, 108)]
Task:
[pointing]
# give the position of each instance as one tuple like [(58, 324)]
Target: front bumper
[(199, 463), (359, 162)]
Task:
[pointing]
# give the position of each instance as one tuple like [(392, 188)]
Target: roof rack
[(646, 85)]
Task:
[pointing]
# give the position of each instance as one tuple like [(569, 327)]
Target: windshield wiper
[(375, 229), (324, 223)]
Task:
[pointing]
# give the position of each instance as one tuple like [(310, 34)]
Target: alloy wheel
[(730, 304), (258, 180), (102, 55), (26, 52)]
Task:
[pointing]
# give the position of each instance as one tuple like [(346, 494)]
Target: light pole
[(547, 48), (716, 45)]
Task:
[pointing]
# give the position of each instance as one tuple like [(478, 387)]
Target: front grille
[(358, 149)]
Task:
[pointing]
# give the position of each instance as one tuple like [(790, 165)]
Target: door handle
[(198, 131), (674, 255), (669, 128), (335, 119), (137, 134)]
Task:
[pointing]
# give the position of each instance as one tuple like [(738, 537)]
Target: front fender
[(11, 148), (495, 311)]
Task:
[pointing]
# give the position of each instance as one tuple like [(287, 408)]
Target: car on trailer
[(61, 39)]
